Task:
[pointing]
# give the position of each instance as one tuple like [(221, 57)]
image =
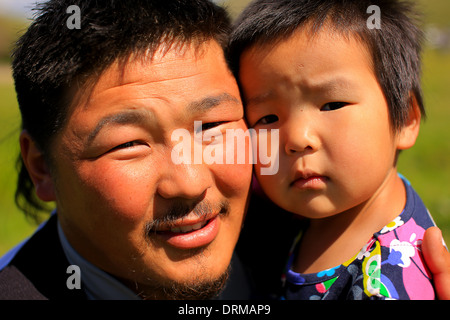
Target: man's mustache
[(180, 209)]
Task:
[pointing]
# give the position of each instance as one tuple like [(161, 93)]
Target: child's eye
[(271, 118), (333, 106)]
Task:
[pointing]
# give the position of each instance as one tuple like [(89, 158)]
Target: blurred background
[(426, 165)]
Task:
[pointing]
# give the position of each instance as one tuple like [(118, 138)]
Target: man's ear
[(409, 132), (37, 167)]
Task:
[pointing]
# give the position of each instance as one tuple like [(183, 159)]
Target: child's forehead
[(323, 64), (306, 37)]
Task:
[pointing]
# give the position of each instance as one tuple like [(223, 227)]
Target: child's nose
[(300, 137)]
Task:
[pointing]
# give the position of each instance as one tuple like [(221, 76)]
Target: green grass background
[(426, 165)]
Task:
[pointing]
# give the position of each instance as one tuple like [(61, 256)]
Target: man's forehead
[(166, 63), (178, 61), (173, 83)]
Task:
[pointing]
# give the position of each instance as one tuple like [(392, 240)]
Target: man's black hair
[(395, 48), (52, 62)]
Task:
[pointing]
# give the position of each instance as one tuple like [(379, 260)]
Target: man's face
[(123, 203)]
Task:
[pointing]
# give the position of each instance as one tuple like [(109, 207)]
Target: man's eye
[(271, 118), (210, 125), (126, 145), (333, 106)]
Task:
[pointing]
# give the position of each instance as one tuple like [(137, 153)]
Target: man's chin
[(192, 289)]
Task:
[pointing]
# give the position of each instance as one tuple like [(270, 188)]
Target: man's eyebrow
[(138, 117), (209, 102), (133, 116)]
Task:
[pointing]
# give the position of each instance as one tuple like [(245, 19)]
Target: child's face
[(337, 148)]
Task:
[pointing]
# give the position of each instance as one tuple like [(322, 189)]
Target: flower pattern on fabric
[(397, 222), (372, 272), (327, 273), (404, 251)]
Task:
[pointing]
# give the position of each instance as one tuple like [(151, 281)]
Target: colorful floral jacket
[(389, 266)]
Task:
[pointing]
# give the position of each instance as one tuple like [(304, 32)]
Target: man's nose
[(188, 181)]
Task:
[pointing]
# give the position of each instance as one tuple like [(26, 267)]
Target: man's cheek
[(121, 190), (233, 179)]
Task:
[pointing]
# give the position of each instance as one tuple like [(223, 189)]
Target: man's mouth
[(187, 228), (189, 233)]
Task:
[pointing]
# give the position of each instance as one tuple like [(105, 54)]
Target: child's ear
[(37, 168), (409, 132)]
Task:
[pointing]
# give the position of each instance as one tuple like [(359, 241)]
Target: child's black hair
[(395, 47)]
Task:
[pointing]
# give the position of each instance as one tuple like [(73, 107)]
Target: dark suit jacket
[(39, 270)]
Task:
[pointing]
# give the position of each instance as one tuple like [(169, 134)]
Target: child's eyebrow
[(335, 84), (330, 85)]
